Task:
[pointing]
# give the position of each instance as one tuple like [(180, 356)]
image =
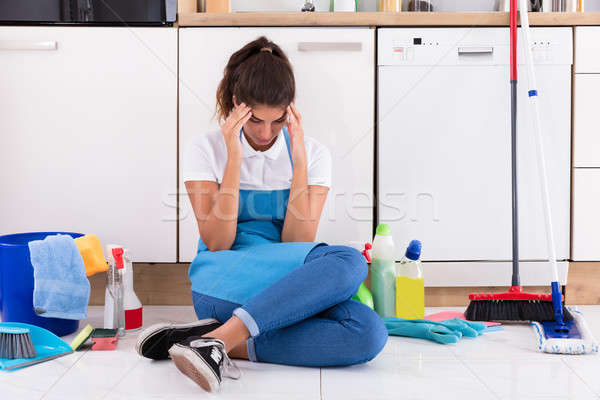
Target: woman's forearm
[(219, 228), (299, 223)]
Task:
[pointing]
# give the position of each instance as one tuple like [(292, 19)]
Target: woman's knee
[(202, 307), (372, 335), (212, 307), (352, 263)]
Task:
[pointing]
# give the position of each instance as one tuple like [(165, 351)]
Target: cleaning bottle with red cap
[(131, 303)]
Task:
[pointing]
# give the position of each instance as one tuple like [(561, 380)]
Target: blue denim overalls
[(257, 257)]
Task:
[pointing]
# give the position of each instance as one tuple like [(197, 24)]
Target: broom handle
[(541, 158), (513, 142)]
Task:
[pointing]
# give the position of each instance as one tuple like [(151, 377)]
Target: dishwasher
[(443, 150)]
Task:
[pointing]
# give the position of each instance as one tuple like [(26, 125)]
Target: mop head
[(579, 339)]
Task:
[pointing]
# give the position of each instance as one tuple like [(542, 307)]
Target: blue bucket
[(16, 283)]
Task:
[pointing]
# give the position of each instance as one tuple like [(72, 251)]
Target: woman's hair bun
[(255, 79)]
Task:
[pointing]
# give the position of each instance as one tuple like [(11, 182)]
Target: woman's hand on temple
[(231, 130), (294, 126)]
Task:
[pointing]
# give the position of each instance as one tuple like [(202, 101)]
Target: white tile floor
[(497, 365)]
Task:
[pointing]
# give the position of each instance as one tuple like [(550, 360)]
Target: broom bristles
[(16, 343), (513, 310)]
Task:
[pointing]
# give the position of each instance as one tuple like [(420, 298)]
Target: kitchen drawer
[(587, 49), (586, 214), (586, 128)]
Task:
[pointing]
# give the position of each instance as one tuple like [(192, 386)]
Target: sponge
[(82, 337), (91, 251), (105, 339)]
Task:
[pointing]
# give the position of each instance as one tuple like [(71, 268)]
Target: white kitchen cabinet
[(334, 93), (586, 214), (586, 146), (88, 140), (444, 143), (587, 49), (586, 121)]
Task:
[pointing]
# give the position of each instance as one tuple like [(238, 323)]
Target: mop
[(514, 305), (559, 335)]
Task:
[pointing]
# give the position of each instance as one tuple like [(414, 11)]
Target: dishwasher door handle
[(28, 45), (329, 46), (475, 50)]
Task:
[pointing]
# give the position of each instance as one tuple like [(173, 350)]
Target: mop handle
[(541, 158), (516, 281)]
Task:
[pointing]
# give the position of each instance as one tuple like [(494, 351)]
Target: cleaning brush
[(514, 305), (22, 345), (16, 343)]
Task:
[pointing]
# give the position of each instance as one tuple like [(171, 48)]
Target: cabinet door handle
[(329, 46), (475, 50), (28, 45)]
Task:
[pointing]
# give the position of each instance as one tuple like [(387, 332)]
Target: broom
[(516, 305)]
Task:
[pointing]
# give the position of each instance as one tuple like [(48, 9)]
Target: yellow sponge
[(82, 337), (91, 251)]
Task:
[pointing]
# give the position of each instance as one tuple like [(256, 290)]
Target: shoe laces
[(228, 368)]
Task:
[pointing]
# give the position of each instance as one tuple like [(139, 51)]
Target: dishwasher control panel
[(469, 46), (406, 52)]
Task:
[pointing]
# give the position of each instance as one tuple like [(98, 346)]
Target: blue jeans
[(308, 317)]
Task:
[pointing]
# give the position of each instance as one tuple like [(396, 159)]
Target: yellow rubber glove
[(91, 251)]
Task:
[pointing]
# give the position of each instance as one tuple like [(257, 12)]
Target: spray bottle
[(131, 305), (114, 313)]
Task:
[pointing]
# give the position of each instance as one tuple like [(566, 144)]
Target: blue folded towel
[(61, 289)]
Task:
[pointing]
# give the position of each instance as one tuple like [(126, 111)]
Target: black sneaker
[(204, 360), (154, 342)]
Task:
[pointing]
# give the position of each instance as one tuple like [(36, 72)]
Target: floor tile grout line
[(579, 376), (321, 383), (64, 373), (485, 385)]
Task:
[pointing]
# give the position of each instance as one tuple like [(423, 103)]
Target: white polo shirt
[(205, 158)]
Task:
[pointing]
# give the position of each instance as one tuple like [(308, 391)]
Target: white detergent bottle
[(383, 272), (131, 303)]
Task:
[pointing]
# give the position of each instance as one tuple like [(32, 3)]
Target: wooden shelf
[(383, 19)]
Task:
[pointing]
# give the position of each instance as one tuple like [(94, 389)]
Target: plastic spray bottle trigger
[(366, 253)]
